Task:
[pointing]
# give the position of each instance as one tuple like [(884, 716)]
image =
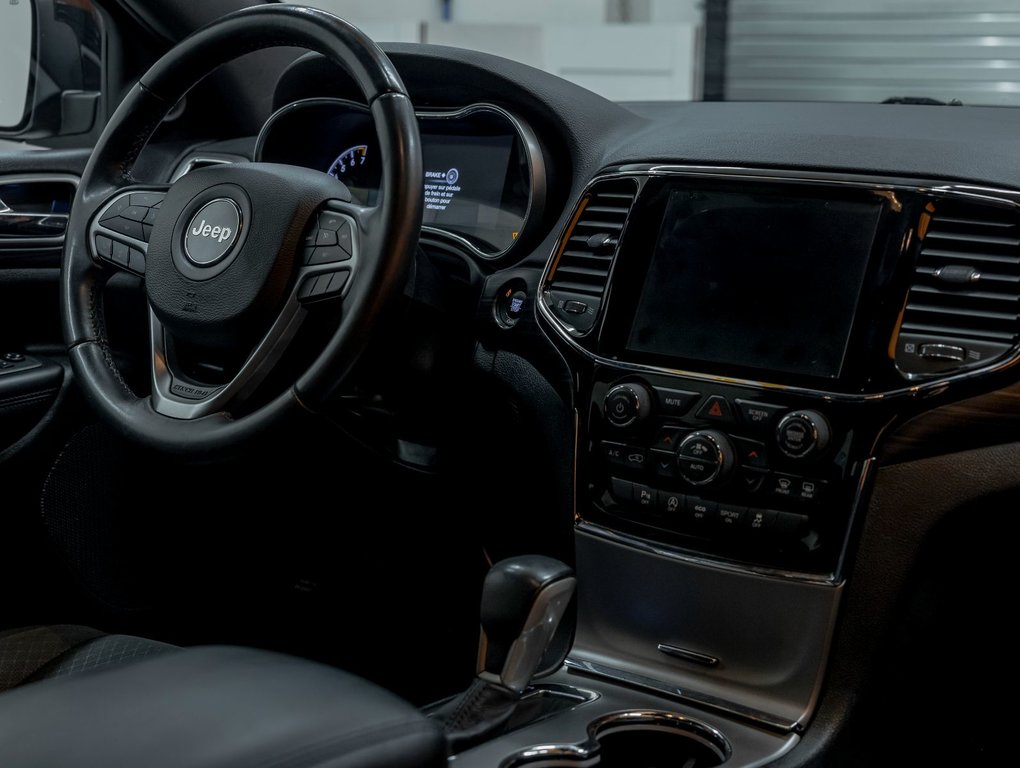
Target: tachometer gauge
[(348, 162)]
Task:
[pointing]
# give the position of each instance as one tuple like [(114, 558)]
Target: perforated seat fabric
[(38, 653)]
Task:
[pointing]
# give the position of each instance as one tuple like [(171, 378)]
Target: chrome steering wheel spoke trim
[(119, 232), (328, 260)]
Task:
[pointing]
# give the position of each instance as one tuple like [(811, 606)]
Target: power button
[(626, 404)]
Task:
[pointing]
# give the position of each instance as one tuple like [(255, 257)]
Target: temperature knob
[(627, 404), (705, 457), (802, 433)]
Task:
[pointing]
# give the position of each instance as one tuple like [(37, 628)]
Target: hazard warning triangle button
[(718, 409)]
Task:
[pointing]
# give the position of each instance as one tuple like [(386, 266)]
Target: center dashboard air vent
[(963, 309), (576, 284)]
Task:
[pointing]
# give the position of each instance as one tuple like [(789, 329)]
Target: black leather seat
[(214, 707)]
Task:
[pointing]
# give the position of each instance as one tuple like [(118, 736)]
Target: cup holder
[(635, 739)]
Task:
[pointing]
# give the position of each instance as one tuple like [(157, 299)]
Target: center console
[(740, 341)]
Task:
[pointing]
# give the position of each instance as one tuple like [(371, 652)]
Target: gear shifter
[(523, 600)]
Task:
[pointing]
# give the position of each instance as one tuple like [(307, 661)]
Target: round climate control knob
[(802, 433), (705, 457), (627, 404)]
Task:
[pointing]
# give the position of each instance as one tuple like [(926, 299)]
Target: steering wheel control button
[(802, 433), (212, 232), (324, 286), (136, 261), (627, 404), (718, 409), (675, 402), (146, 199), (757, 415), (325, 237), (121, 255), (345, 238), (114, 211), (126, 227), (135, 213), (331, 221), (104, 247), (326, 255)]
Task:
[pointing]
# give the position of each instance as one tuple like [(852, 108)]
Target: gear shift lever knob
[(523, 600)]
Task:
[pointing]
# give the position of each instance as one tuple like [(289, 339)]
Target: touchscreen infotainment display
[(755, 280)]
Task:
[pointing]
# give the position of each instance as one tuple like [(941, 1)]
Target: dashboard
[(763, 300), (741, 306)]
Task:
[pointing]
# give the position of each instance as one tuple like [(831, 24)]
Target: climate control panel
[(720, 468)]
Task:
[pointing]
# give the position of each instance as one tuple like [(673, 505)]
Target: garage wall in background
[(870, 50), (635, 50)]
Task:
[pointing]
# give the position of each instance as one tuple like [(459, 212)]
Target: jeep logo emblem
[(212, 232)]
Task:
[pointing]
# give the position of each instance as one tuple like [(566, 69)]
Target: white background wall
[(633, 50)]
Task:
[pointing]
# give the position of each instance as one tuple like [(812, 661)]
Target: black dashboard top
[(975, 144)]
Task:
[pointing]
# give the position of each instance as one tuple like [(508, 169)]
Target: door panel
[(36, 188)]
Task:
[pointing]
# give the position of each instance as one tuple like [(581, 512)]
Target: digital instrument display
[(477, 181), (755, 280), (464, 178)]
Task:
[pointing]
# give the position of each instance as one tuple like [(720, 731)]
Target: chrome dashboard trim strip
[(694, 698), (704, 561), (529, 140), (922, 387)]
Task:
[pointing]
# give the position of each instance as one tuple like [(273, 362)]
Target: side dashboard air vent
[(963, 309), (577, 281)]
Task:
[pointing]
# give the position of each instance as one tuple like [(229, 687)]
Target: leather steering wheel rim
[(388, 231)]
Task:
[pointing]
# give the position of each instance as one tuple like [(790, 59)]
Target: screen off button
[(758, 415)]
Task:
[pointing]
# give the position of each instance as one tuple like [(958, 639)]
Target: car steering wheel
[(234, 255)]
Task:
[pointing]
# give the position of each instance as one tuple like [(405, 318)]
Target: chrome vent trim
[(963, 308), (577, 279)]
